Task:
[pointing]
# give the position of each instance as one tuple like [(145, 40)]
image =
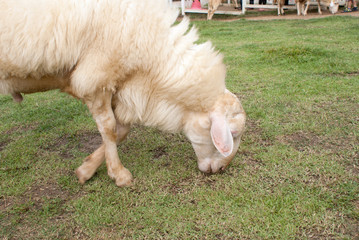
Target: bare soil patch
[(40, 193), (187, 184), (89, 141), (255, 132), (160, 151), (59, 147), (2, 145), (86, 142), (21, 128), (37, 194), (290, 15), (346, 74), (293, 15), (48, 198), (301, 140)]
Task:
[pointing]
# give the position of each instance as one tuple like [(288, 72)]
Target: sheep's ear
[(221, 134)]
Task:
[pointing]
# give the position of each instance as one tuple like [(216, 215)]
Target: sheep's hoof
[(81, 176), (84, 173), (123, 178)]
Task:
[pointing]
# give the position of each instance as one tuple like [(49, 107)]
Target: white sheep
[(300, 4), (129, 64), (214, 4), (333, 6), (280, 6)]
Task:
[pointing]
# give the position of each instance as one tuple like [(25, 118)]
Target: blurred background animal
[(280, 5), (213, 5)]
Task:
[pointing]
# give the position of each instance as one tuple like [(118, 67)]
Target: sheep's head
[(215, 136), (333, 7)]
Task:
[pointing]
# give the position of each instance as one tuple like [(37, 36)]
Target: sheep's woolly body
[(129, 63), (128, 46)]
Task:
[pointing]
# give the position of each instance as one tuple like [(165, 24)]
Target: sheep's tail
[(17, 97)]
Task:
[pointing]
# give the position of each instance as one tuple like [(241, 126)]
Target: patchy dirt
[(160, 151), (349, 230), (36, 195), (47, 197), (2, 145), (39, 193), (5, 202), (290, 15), (89, 141), (59, 147), (300, 140), (187, 184), (86, 142), (21, 128), (250, 160), (255, 133), (310, 15), (345, 74)]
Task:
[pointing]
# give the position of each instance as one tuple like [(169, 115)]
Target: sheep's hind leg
[(93, 161), (306, 8), (319, 7), (100, 107), (235, 3), (299, 8), (210, 13)]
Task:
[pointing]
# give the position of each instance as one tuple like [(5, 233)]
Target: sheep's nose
[(210, 167), (205, 167)]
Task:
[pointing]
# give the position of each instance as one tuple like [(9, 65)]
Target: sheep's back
[(41, 37)]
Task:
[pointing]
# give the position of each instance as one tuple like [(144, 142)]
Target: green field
[(296, 175)]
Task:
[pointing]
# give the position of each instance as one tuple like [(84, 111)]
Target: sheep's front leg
[(235, 3), (212, 7), (100, 107), (93, 161), (298, 8), (210, 12), (319, 8), (280, 8), (306, 8)]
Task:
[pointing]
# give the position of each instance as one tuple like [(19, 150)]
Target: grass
[(295, 177)]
